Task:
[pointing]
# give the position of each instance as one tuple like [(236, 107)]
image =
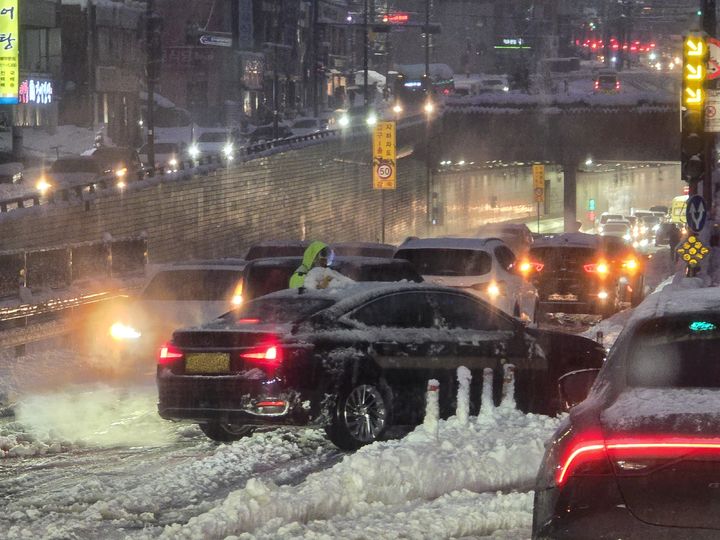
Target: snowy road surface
[(97, 462), (85, 459)]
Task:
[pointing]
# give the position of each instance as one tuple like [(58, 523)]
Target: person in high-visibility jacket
[(316, 254)]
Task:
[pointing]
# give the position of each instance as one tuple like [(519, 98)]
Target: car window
[(605, 217), (75, 165), (676, 352), (279, 310), (448, 262), (459, 311), (505, 257), (263, 280), (213, 137), (378, 272), (187, 285), (409, 309)]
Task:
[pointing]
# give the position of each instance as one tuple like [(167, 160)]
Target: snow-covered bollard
[(462, 410), (486, 401), (508, 388), (432, 408)]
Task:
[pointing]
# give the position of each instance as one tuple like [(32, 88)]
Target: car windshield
[(606, 217), (213, 137), (187, 285), (676, 352), (448, 262), (279, 310), (75, 166), (607, 79), (378, 272)]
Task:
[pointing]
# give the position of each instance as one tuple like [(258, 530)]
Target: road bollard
[(432, 408), (487, 405), (508, 389), (462, 410)]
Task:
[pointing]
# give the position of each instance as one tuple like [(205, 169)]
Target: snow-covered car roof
[(669, 302), (569, 240), (451, 243)]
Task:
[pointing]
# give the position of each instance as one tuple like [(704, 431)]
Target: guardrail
[(77, 191), (65, 193), (56, 268)]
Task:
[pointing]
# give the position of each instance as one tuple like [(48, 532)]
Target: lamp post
[(428, 108)]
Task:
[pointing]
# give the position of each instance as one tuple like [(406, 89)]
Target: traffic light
[(692, 145)]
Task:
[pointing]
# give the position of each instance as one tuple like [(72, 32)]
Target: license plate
[(207, 363), (563, 297)]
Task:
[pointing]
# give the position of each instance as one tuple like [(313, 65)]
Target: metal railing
[(61, 267)]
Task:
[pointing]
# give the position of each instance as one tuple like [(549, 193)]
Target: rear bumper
[(230, 399), (597, 511)]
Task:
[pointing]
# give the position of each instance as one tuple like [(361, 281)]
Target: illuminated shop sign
[(8, 51), (36, 92)]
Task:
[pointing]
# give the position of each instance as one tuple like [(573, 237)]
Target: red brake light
[(168, 354), (531, 266), (597, 85), (248, 321), (271, 354), (617, 85), (601, 268), (627, 455)]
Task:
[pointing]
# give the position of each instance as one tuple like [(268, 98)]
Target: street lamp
[(397, 108), (371, 119)]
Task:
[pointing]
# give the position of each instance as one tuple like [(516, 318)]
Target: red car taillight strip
[(589, 451)]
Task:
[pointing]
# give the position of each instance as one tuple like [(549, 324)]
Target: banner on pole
[(9, 38), (384, 156)]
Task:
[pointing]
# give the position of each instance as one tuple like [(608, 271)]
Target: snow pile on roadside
[(67, 139), (495, 453)]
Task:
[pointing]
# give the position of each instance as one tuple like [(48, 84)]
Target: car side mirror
[(575, 386)]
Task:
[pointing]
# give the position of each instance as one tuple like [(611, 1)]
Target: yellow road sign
[(384, 156), (539, 183)]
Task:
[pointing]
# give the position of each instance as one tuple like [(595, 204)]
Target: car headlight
[(121, 173), (344, 120), (173, 162), (122, 332), (493, 288), (228, 150), (42, 185), (194, 151), (627, 237)]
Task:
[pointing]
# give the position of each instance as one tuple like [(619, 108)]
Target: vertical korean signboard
[(384, 157), (9, 76)]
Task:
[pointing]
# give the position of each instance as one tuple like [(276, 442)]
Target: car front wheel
[(222, 432), (361, 417)]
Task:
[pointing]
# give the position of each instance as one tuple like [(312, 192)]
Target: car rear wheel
[(223, 432), (361, 417)]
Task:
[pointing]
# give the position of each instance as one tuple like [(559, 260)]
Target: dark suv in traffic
[(584, 273)]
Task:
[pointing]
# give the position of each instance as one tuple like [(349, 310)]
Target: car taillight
[(271, 354), (617, 85), (237, 297), (169, 354), (601, 268), (630, 264), (529, 266), (628, 455)]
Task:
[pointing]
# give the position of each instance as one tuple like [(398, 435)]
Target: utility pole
[(427, 41), (366, 96), (315, 60), (710, 28), (153, 46), (276, 94)]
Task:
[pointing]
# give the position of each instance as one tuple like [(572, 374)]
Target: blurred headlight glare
[(121, 332)]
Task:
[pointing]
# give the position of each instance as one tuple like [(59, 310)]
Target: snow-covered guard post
[(462, 411)]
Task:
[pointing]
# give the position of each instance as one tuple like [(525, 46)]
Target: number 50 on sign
[(384, 156)]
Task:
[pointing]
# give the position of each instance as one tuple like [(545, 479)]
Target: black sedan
[(639, 458), (354, 360)]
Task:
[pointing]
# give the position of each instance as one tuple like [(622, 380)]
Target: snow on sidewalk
[(500, 453)]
